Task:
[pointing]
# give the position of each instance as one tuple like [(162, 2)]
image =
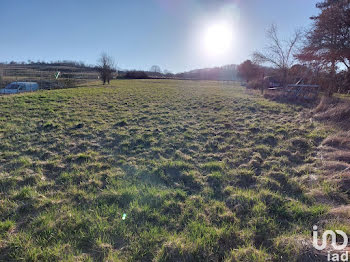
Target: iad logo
[(333, 242), (340, 256)]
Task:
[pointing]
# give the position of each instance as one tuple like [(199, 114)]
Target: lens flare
[(217, 39)]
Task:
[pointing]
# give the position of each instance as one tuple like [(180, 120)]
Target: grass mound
[(333, 110)]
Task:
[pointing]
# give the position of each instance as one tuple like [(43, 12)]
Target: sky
[(140, 33)]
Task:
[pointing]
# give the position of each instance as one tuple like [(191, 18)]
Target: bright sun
[(217, 39)]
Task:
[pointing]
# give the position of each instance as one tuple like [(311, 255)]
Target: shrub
[(136, 75), (254, 84)]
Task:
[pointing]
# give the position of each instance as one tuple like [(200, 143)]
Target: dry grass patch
[(333, 110)]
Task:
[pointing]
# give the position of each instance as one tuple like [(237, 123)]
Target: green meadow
[(157, 170)]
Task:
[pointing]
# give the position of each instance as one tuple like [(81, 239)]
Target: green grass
[(202, 170)]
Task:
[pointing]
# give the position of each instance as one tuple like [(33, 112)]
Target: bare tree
[(155, 69), (106, 67), (279, 53)]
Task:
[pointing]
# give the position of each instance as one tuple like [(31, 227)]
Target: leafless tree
[(106, 67), (279, 53), (155, 69)]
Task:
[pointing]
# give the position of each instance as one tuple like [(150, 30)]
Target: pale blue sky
[(141, 33)]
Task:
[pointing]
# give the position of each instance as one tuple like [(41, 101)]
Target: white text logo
[(335, 256)]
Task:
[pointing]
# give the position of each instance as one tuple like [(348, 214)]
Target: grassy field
[(159, 170)]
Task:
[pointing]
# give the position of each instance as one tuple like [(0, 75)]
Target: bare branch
[(260, 58), (279, 53), (106, 67)]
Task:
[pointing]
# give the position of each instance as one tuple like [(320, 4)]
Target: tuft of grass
[(247, 254), (213, 166), (6, 226)]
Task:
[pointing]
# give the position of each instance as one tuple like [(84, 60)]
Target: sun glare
[(217, 39)]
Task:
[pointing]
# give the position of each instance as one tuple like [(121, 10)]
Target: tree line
[(107, 71), (321, 55)]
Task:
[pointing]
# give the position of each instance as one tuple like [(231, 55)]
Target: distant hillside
[(227, 72), (36, 71), (63, 66), (79, 70)]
